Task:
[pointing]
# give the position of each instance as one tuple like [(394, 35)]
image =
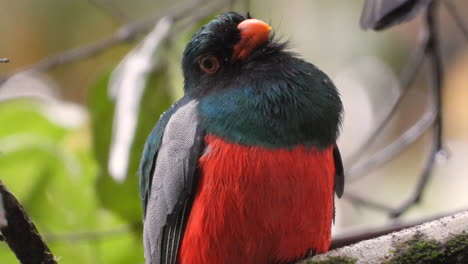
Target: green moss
[(334, 260), (416, 251), (456, 249), (421, 250)]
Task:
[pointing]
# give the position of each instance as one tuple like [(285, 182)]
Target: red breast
[(259, 205)]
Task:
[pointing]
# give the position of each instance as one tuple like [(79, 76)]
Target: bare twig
[(4, 60), (355, 236), (407, 78), (21, 234), (393, 149), (436, 83), (117, 15), (126, 33), (360, 201), (457, 17), (420, 185), (431, 117)]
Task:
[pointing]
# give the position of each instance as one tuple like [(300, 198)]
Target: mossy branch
[(443, 241)]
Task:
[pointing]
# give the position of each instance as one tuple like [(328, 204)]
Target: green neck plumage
[(277, 105)]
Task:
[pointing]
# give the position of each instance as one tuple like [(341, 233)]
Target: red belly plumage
[(259, 205)]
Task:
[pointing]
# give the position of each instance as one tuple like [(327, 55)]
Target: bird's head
[(254, 92), (223, 49)]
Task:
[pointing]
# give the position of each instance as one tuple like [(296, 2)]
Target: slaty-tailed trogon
[(243, 169)]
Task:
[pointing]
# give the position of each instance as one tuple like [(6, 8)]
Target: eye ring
[(208, 63)]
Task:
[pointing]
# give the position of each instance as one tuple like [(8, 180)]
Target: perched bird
[(242, 169)]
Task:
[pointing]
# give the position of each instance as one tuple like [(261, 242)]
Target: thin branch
[(431, 118), (356, 200), (126, 33), (436, 84), (115, 13), (393, 149), (408, 76), (21, 234), (456, 17), (437, 74), (355, 236), (420, 185)]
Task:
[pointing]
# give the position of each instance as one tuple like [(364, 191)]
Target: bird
[(244, 168)]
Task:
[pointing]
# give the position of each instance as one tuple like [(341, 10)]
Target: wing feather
[(171, 182), (339, 172), (339, 176)]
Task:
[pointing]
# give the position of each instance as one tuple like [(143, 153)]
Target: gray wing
[(172, 185), (381, 14)]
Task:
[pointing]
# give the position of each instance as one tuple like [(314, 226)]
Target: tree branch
[(357, 200), (124, 34), (4, 60), (408, 76), (435, 239), (433, 52), (20, 233), (355, 236), (457, 17), (393, 149)]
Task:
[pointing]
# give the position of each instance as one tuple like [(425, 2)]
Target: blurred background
[(72, 132)]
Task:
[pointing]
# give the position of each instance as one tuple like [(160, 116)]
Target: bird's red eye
[(209, 64)]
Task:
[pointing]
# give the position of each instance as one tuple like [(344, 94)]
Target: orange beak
[(253, 33)]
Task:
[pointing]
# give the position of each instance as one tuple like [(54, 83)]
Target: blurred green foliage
[(60, 174), (52, 171)]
